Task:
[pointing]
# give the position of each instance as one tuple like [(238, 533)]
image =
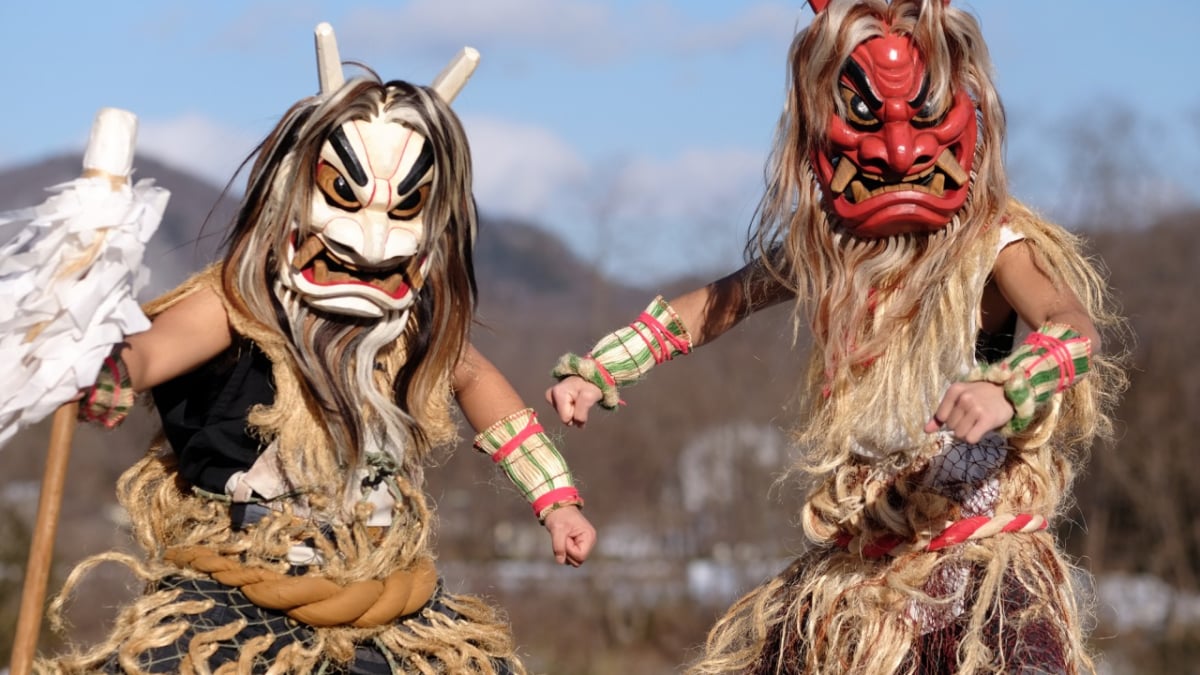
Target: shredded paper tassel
[(70, 271)]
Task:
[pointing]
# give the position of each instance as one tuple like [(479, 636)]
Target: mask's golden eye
[(411, 205), (858, 112), (334, 187)]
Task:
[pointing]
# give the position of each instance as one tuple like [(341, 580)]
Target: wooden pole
[(41, 550), (109, 155)]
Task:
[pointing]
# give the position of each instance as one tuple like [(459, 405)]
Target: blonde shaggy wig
[(892, 314), (894, 321)]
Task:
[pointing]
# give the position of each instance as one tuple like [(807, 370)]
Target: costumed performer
[(937, 446), (303, 383)]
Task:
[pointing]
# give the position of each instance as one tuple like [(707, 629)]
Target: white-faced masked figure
[(361, 253), (293, 465)]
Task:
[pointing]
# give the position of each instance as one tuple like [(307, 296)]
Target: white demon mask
[(362, 255), (365, 252)]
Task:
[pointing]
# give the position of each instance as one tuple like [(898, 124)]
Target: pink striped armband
[(109, 400), (1049, 361), (627, 354), (519, 445)]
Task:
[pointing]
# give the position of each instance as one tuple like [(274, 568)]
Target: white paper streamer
[(70, 270)]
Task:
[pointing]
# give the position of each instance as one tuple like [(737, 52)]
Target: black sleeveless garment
[(204, 414)]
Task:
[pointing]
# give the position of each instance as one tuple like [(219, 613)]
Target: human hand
[(571, 535), (573, 397), (970, 410)]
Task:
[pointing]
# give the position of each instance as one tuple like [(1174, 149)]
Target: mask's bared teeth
[(861, 194), (320, 272), (310, 249), (841, 177), (391, 283), (938, 184), (954, 171)]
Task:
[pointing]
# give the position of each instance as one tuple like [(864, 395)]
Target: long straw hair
[(887, 315), (893, 320), (336, 355)]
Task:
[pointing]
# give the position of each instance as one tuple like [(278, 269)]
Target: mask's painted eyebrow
[(855, 72), (341, 145), (418, 170)]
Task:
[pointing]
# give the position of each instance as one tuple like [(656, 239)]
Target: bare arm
[(971, 409), (482, 392), (711, 310), (706, 313), (1037, 299), (486, 397), (179, 340)]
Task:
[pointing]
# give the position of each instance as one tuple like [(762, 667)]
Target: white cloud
[(770, 22), (198, 144), (686, 214), (522, 170), (653, 217), (529, 172), (696, 203), (700, 184)]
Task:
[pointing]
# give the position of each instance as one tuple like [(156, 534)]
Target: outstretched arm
[(508, 431), (1037, 299), (711, 310), (971, 409), (179, 340), (666, 329)]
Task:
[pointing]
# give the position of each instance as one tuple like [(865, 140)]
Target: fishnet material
[(1003, 604)]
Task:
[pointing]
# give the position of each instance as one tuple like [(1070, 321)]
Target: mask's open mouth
[(323, 267), (857, 186)]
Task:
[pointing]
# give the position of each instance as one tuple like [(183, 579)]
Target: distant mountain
[(514, 261)]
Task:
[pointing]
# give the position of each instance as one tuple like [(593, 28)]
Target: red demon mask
[(896, 161)]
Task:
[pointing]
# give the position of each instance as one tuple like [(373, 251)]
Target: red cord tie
[(1059, 351), (563, 494), (659, 338), (956, 533), (515, 442)]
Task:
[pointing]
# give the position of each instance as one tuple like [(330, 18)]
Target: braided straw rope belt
[(968, 529), (315, 600)]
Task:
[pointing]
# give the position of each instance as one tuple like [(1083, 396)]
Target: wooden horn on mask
[(329, 63), (455, 75)]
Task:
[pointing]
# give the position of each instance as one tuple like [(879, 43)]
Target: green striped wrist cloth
[(520, 446), (110, 399), (1049, 361), (627, 354)]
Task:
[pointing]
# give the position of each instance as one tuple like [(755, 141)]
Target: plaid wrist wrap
[(520, 446), (1050, 360), (627, 354), (109, 400)]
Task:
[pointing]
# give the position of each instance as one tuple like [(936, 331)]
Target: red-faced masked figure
[(885, 215), (898, 159)]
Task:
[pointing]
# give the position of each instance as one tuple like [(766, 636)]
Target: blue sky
[(635, 129)]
